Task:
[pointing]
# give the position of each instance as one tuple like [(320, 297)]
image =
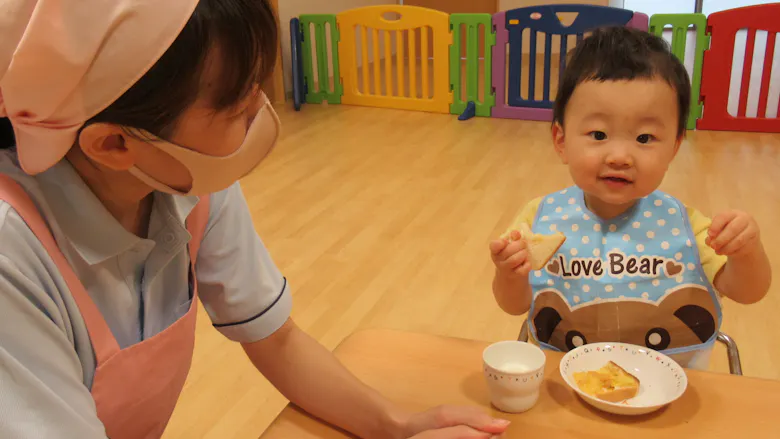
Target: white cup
[(514, 371)]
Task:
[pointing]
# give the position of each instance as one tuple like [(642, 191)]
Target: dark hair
[(621, 53), (245, 31), (7, 139)]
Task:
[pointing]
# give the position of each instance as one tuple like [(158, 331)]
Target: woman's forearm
[(295, 364)]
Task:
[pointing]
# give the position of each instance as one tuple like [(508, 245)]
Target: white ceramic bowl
[(661, 379)]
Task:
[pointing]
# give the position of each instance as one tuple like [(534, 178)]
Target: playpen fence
[(466, 85), (721, 66), (511, 26), (316, 48), (681, 25), (389, 78)]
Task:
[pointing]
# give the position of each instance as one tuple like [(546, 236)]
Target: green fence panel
[(472, 79), (322, 90), (681, 24)]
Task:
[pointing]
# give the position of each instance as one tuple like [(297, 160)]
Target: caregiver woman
[(132, 121)]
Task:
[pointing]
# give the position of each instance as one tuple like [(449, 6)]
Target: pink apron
[(136, 388)]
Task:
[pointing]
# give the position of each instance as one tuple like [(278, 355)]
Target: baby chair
[(735, 365)]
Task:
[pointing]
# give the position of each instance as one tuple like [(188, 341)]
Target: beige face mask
[(212, 174)]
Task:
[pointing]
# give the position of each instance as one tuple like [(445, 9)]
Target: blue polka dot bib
[(634, 279)]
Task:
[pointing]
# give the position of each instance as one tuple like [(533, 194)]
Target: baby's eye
[(645, 138), (598, 135)]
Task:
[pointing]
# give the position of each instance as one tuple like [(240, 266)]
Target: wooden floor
[(381, 218)]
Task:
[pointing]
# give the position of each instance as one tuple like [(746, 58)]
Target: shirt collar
[(94, 233)]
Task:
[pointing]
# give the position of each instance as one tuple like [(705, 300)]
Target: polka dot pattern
[(654, 229)]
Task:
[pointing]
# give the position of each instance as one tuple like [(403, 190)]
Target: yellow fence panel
[(395, 57)]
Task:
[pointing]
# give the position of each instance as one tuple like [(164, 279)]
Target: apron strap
[(103, 341)]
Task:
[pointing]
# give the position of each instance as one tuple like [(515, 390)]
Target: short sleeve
[(710, 261), (527, 216), (42, 392), (242, 290)]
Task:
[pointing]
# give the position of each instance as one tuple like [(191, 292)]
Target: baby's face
[(618, 139)]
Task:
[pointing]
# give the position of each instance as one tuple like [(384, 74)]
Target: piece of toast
[(540, 247), (610, 383)]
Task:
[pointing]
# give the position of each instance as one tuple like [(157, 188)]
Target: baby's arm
[(511, 288), (510, 282), (747, 275)]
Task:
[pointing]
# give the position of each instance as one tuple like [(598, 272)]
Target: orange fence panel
[(395, 57)]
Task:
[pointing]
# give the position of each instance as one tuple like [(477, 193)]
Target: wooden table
[(421, 371)]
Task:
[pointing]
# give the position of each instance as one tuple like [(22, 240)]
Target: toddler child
[(637, 266)]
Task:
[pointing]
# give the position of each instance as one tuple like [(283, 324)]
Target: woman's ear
[(559, 142), (106, 144)]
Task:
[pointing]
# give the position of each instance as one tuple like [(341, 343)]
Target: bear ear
[(698, 319), (545, 322), (694, 306), (551, 307)]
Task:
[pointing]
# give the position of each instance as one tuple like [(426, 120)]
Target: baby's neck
[(607, 211)]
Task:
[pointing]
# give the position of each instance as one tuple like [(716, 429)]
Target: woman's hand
[(453, 422)]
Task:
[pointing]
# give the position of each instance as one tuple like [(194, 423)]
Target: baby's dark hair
[(244, 31), (621, 53)]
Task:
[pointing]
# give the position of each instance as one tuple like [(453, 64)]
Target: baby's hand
[(734, 233), (511, 257)]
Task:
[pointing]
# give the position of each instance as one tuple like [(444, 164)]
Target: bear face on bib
[(635, 278)]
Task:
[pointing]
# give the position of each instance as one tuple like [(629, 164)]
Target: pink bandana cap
[(64, 61)]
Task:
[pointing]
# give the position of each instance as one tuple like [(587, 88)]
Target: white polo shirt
[(141, 286)]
